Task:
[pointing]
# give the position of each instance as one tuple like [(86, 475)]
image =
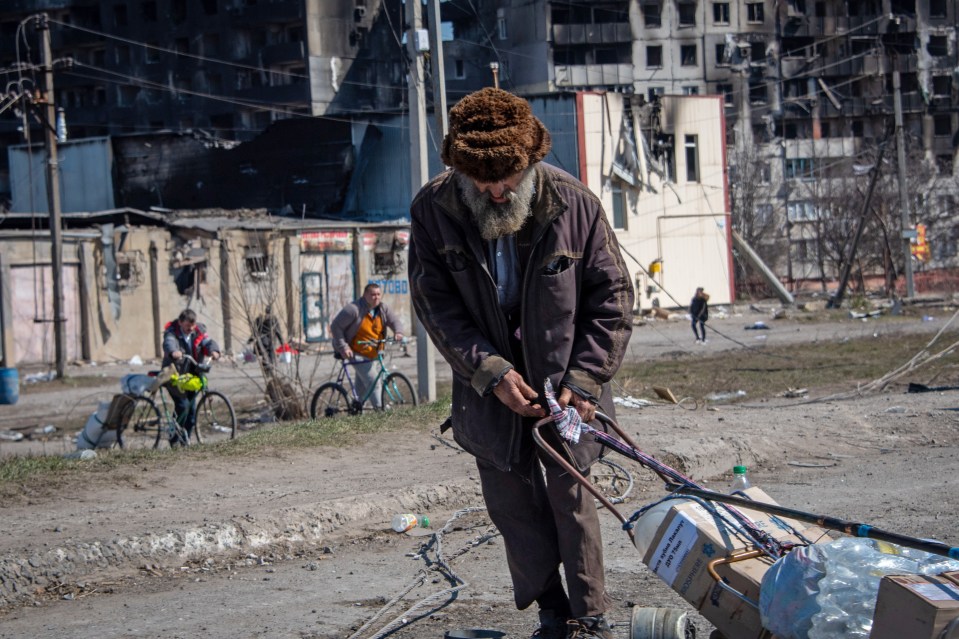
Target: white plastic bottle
[(649, 523), (409, 521), (740, 480)]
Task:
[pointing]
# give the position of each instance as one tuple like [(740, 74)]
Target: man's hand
[(176, 355), (585, 408), (215, 355), (397, 337), (517, 395), (346, 353)]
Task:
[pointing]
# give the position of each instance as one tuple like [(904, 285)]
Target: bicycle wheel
[(144, 426), (215, 417), (171, 433), (398, 391), (330, 400)]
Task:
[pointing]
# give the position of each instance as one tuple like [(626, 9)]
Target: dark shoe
[(550, 626), (585, 627)]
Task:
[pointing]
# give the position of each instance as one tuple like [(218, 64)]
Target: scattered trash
[(810, 464), (137, 384), (757, 326), (631, 402), (84, 455), (40, 377), (761, 337), (928, 318), (10, 436), (136, 361), (922, 388), (795, 392), (779, 313), (664, 393), (248, 356), (722, 397), (855, 315), (895, 410)]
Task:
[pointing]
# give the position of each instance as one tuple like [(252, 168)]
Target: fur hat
[(493, 134)]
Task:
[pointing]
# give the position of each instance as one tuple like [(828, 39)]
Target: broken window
[(942, 125), (619, 205), (130, 270), (726, 90), (941, 85), (758, 92), (755, 12), (692, 159), (654, 56), (721, 13), (687, 55), (687, 14), (937, 9), (388, 252), (652, 15), (938, 45), (257, 264), (944, 164), (721, 60)]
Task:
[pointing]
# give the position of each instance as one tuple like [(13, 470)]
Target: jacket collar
[(547, 203)]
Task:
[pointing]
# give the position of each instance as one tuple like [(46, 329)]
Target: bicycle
[(152, 417), (332, 399)]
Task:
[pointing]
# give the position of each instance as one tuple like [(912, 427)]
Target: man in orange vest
[(364, 320)]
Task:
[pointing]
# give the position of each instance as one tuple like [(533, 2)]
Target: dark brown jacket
[(577, 302)]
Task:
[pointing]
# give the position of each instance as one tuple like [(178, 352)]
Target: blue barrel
[(9, 386)]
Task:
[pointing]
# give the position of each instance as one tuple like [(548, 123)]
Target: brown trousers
[(547, 522)]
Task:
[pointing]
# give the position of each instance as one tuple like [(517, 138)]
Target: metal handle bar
[(574, 472)]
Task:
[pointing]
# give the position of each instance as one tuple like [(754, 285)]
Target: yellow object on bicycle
[(187, 382)]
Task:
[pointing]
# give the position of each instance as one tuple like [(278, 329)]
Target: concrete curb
[(22, 577)]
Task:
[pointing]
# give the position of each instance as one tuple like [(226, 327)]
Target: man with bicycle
[(364, 320), (182, 337)]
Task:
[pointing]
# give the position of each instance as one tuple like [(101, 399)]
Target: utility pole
[(53, 199), (907, 231), (419, 174), (437, 69)]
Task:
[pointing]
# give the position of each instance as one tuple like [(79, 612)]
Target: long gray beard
[(498, 220)]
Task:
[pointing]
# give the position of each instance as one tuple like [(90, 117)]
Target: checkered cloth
[(568, 422)]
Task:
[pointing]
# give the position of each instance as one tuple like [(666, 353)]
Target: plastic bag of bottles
[(829, 590)]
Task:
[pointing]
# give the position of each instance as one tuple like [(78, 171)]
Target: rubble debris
[(664, 393)]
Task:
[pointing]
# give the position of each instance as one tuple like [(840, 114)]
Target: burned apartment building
[(808, 84)]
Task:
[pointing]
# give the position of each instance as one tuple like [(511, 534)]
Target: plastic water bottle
[(409, 521), (649, 523), (740, 480)]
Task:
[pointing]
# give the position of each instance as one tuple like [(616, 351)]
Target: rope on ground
[(441, 565), (920, 359)]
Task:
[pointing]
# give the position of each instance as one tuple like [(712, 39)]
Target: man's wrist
[(497, 379)]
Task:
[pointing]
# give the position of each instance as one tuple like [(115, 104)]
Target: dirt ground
[(298, 544)]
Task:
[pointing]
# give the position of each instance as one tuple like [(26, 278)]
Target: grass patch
[(831, 366), (32, 476)]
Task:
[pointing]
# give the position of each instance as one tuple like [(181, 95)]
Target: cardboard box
[(915, 606), (690, 537)]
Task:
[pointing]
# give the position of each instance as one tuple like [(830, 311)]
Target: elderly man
[(517, 277)]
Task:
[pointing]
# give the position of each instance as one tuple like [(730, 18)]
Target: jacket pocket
[(456, 260)]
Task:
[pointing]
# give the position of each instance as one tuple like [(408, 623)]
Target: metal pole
[(907, 230), (419, 174), (53, 200), (437, 68), (836, 300)]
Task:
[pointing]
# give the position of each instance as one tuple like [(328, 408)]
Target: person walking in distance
[(517, 276), (364, 320), (266, 338), (699, 314), (186, 336)]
